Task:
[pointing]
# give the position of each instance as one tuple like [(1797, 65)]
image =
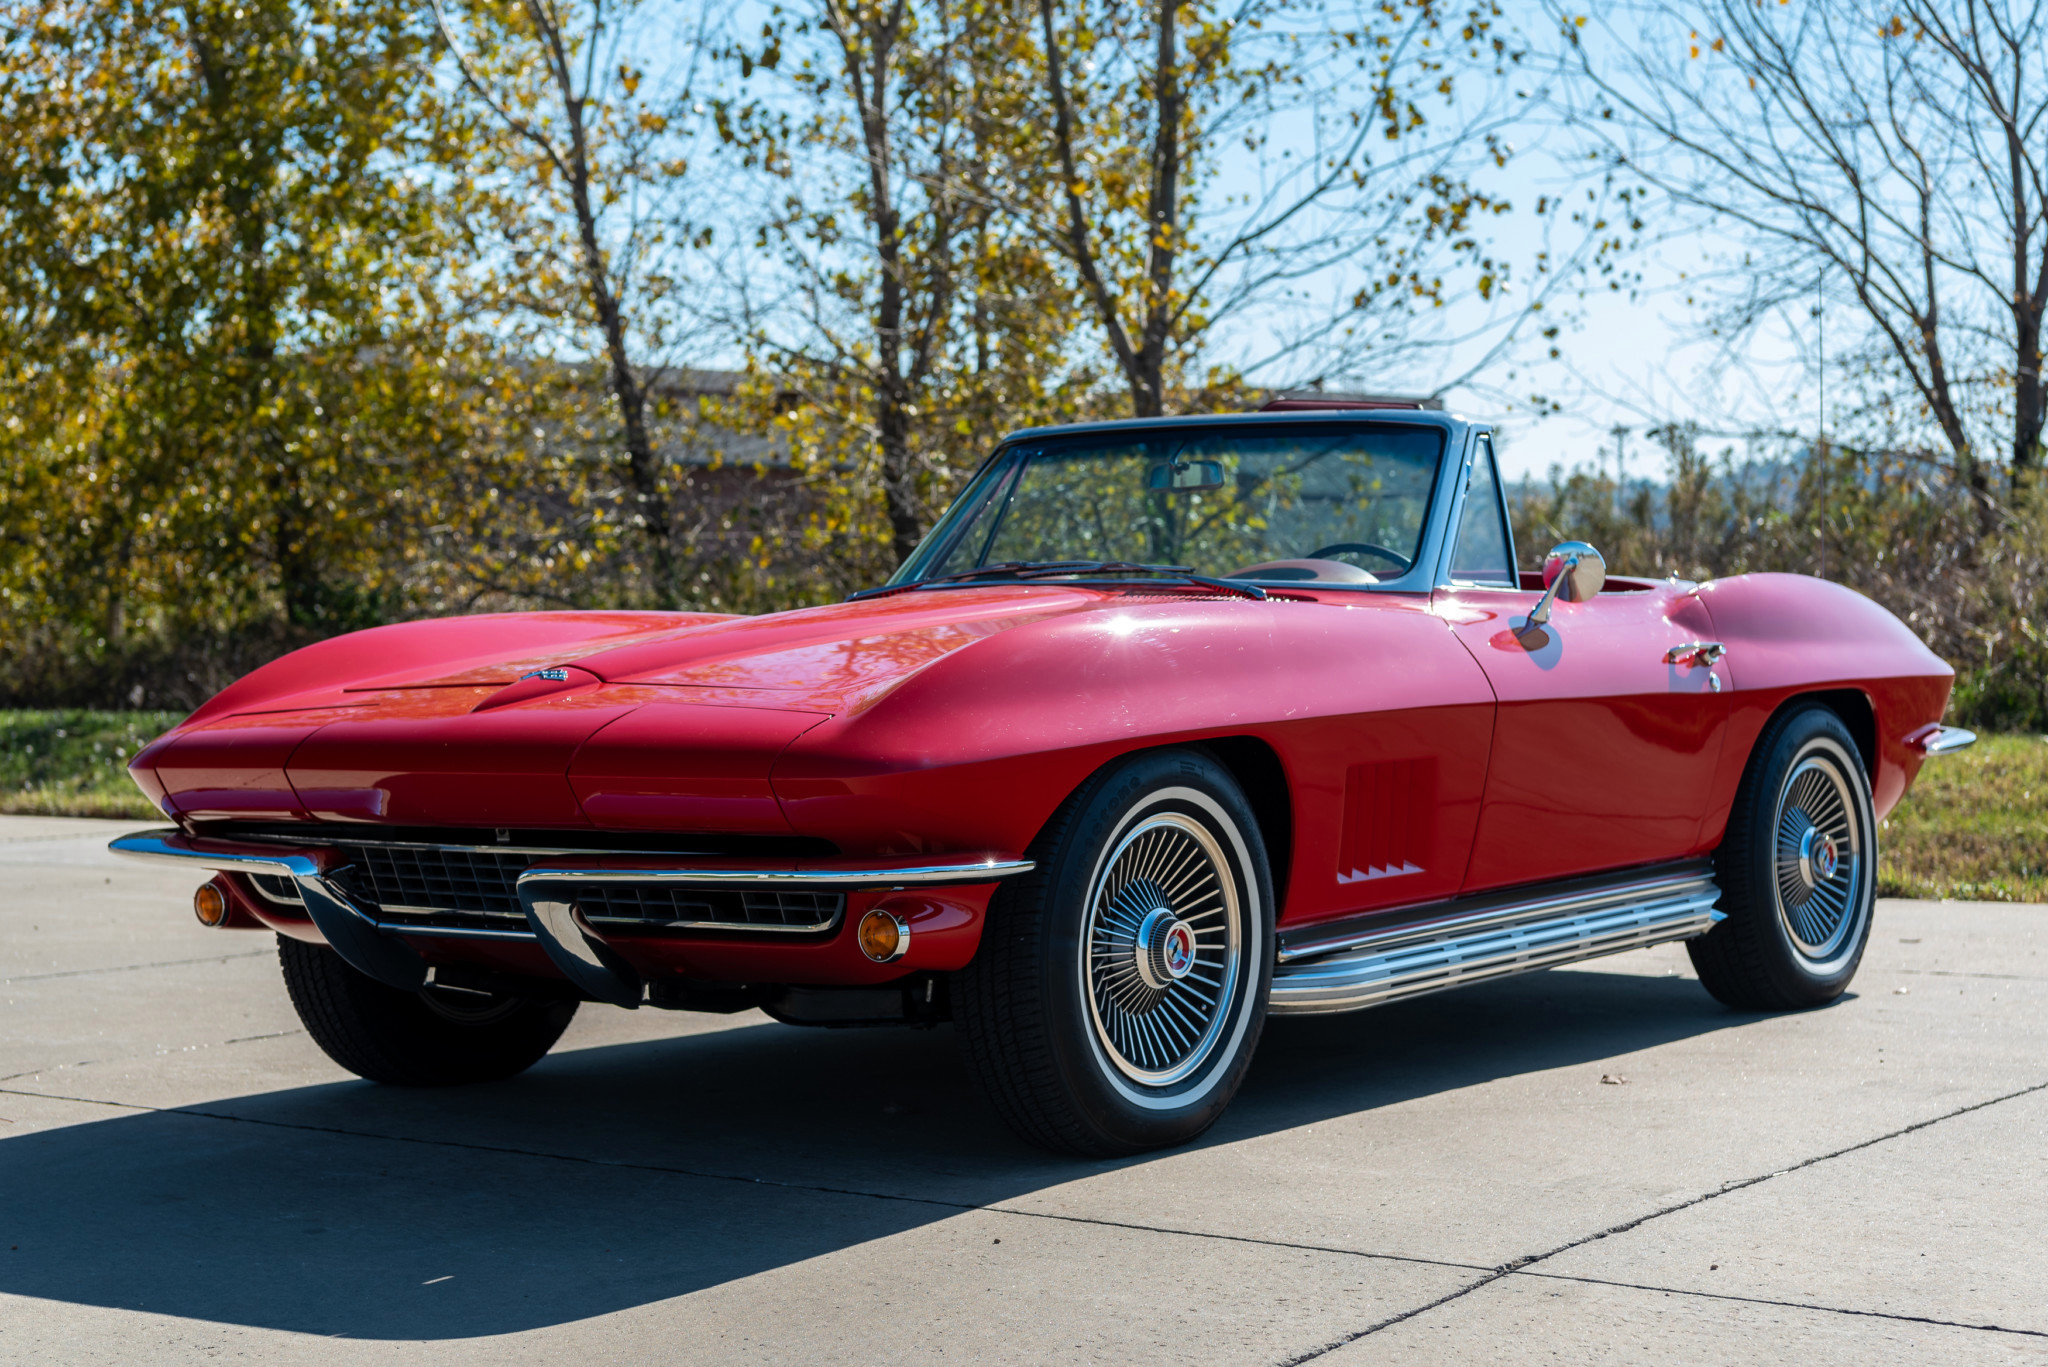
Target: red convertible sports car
[(1167, 725)]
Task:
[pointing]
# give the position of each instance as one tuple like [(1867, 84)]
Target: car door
[(1603, 750)]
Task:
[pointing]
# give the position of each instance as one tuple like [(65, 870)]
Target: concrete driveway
[(1588, 1164)]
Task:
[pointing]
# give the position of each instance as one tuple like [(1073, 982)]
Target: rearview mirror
[(1184, 476)]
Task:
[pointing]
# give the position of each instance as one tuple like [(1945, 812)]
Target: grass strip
[(74, 762), (1974, 826)]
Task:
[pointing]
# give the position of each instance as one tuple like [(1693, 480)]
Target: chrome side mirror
[(1572, 572)]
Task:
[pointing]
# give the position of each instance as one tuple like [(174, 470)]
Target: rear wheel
[(1120, 987), (435, 1037), (1798, 871)]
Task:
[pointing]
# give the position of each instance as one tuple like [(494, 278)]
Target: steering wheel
[(1363, 548)]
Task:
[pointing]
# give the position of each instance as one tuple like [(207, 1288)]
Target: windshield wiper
[(1053, 571)]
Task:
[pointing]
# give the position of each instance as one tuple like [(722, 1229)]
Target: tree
[(562, 79), (1894, 156), (1142, 103), (251, 382), (215, 262), (914, 317)]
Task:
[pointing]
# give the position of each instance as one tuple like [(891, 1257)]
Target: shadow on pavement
[(614, 1177)]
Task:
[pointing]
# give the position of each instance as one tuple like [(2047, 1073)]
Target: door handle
[(1706, 653)]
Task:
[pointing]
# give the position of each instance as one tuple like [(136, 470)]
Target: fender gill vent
[(1389, 819)]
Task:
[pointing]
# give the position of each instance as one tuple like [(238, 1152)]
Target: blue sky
[(1632, 360)]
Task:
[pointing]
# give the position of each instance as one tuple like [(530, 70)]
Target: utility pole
[(1620, 435)]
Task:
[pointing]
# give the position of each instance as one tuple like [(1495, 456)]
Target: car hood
[(815, 658), (646, 720)]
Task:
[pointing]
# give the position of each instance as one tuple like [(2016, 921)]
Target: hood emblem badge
[(551, 675)]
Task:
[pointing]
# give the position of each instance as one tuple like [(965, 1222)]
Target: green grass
[(74, 762), (1975, 825)]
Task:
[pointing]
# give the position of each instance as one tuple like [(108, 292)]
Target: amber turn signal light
[(883, 938), (210, 905)]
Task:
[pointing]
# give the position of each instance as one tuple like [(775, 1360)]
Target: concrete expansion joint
[(137, 968), (1790, 1305), (159, 1053), (1521, 1266)]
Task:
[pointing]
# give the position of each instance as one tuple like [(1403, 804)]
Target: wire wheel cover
[(1819, 861), (1163, 944)]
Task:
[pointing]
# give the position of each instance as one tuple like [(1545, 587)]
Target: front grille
[(410, 878), (452, 888), (661, 904)]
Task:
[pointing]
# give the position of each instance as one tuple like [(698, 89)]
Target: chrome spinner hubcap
[(1818, 857), (1164, 949), (1820, 860), (1164, 942)]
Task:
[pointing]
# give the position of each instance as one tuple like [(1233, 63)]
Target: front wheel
[(436, 1037), (1121, 986), (1798, 871)]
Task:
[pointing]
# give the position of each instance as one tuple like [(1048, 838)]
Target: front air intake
[(664, 905)]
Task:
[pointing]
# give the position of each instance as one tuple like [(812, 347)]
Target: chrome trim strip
[(398, 909), (1945, 740), (349, 841), (748, 927), (167, 844), (153, 844), (454, 932), (933, 873), (1410, 960), (1479, 913)]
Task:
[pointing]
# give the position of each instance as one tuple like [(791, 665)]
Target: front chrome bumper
[(352, 932), (379, 950)]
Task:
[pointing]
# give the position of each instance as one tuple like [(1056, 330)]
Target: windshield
[(1344, 505)]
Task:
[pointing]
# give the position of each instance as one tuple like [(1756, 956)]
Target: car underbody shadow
[(618, 1176)]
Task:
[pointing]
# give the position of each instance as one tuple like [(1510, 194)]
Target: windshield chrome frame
[(1432, 556)]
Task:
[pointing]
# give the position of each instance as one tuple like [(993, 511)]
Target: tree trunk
[(650, 501), (893, 394), (2029, 298), (1162, 221), (299, 581), (1078, 242), (2027, 409)]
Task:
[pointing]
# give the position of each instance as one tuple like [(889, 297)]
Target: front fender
[(976, 752)]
